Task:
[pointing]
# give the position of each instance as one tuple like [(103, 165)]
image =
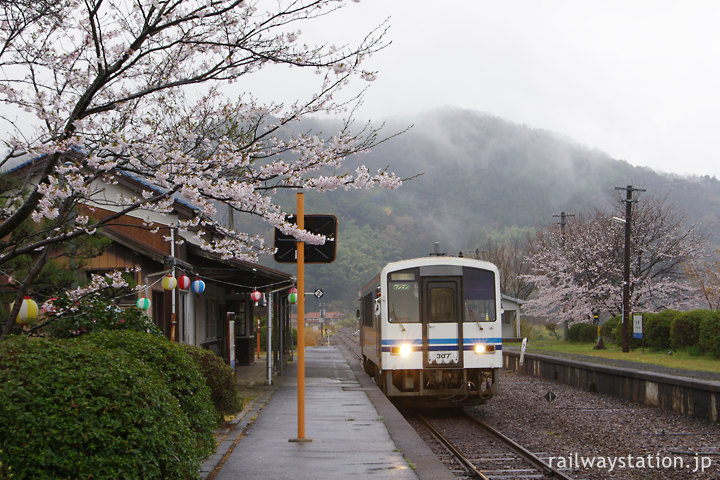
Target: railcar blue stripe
[(418, 348), (395, 341), (482, 340), (440, 341)]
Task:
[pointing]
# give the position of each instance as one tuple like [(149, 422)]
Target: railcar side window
[(479, 303), (403, 297), (367, 310)]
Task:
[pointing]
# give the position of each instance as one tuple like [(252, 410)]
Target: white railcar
[(430, 331)]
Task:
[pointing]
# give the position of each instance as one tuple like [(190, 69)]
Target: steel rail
[(548, 470), (348, 343), (467, 464)]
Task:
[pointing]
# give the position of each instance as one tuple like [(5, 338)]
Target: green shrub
[(709, 338), (611, 330), (656, 329), (526, 328), (582, 332), (685, 328), (71, 410), (694, 350), (219, 377), (95, 314), (179, 371)]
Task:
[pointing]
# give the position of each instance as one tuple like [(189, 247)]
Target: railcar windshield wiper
[(395, 317)]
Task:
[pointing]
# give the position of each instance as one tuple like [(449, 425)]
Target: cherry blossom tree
[(510, 256), (582, 270), (95, 89), (704, 273)]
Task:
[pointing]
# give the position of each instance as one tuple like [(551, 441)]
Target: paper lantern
[(256, 296), (169, 282), (292, 297), (198, 287), (143, 303), (28, 311), (183, 282)]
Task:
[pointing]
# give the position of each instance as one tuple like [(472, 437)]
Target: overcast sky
[(639, 80)]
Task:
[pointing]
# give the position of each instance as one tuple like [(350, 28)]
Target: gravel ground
[(625, 440)]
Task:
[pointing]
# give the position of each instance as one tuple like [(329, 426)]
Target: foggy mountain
[(481, 176)]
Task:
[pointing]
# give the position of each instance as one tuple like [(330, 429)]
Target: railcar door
[(442, 317)]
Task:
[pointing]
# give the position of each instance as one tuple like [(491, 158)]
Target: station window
[(479, 302), (403, 297)]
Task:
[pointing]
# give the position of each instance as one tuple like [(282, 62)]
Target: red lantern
[(256, 296), (183, 282)]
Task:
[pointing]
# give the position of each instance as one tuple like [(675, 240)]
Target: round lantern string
[(139, 288)]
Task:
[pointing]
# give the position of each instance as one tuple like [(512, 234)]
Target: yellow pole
[(301, 320)]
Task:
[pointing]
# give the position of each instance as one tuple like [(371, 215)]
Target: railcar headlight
[(483, 348), (404, 350)]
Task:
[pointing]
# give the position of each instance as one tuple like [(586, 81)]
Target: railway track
[(346, 339), (473, 449), (468, 446)]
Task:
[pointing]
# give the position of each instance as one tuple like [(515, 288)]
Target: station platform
[(351, 428)]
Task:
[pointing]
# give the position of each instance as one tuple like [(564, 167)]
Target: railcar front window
[(479, 303), (442, 304), (403, 297)]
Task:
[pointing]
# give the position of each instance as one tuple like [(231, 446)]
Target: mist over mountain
[(481, 177)]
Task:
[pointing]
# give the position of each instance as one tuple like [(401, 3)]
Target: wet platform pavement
[(354, 431)]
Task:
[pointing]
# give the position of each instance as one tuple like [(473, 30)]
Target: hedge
[(672, 329), (611, 330), (71, 410), (685, 328), (583, 332), (179, 371), (709, 337), (219, 377), (656, 329)]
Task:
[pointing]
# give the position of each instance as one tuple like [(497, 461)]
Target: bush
[(709, 338), (582, 332), (179, 371), (526, 328), (219, 377), (685, 328), (611, 330), (71, 410), (657, 329), (95, 314)]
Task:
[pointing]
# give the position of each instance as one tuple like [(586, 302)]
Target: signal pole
[(626, 267)]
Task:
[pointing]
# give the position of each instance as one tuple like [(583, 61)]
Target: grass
[(679, 359)]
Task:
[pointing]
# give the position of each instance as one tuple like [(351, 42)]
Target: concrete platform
[(350, 436)]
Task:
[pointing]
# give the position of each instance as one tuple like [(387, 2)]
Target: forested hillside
[(481, 177)]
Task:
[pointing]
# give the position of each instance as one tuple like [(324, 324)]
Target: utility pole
[(626, 267), (563, 221)]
